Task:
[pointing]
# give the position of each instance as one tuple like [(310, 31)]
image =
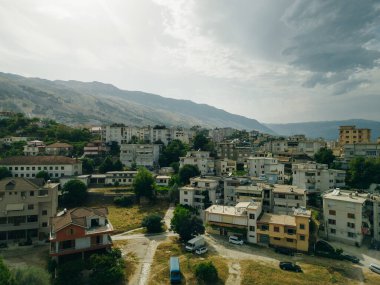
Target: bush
[(153, 223), (31, 276), (207, 272), (124, 201), (107, 268), (70, 273)]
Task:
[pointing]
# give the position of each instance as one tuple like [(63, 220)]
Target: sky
[(277, 61)]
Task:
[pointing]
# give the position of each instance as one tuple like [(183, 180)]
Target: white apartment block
[(166, 135), (225, 166), (123, 178), (294, 145), (267, 167), (286, 198), (201, 159), (255, 192), (229, 186), (33, 148), (195, 193), (220, 134), (29, 166), (163, 180), (25, 208), (343, 217), (367, 150), (142, 154), (238, 220), (316, 177)]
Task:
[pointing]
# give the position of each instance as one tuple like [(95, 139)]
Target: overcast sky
[(276, 61)]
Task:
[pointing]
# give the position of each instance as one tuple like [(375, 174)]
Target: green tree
[(363, 172), (152, 223), (31, 276), (6, 277), (186, 172), (206, 272), (175, 166), (324, 156), (117, 166), (74, 193), (4, 172), (186, 223), (172, 152), (43, 174), (88, 165), (107, 268), (70, 273), (200, 142), (114, 149), (144, 184), (107, 165)]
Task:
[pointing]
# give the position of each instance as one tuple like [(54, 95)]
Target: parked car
[(351, 258), (235, 240), (375, 268), (290, 266), (201, 250), (284, 250)]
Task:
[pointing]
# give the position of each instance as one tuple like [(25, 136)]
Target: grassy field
[(160, 267), (263, 274)]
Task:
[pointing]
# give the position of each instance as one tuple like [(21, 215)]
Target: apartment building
[(141, 154), (122, 178), (10, 140), (80, 231), (229, 186), (375, 201), (316, 177), (294, 145), (29, 166), (225, 166), (195, 194), (344, 216), (352, 135), (231, 150), (163, 180), (25, 208), (59, 148), (288, 197), (268, 168), (237, 220), (220, 134), (367, 150), (201, 159), (33, 148), (284, 230), (94, 148), (166, 135)]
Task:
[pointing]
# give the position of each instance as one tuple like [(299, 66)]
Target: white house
[(141, 154), (267, 167)]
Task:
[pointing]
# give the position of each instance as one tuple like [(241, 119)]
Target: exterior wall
[(376, 218), (124, 178), (266, 166), (141, 154), (81, 243), (225, 166), (252, 216), (201, 159), (351, 135), (368, 150), (303, 245), (284, 204), (70, 232), (55, 171)]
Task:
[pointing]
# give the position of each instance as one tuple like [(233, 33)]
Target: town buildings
[(33, 148), (59, 148), (266, 167), (286, 198), (352, 135), (140, 154), (94, 148), (225, 167), (366, 150), (316, 177), (201, 159), (25, 208), (80, 231), (29, 166), (122, 178)]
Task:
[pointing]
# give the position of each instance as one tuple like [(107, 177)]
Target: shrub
[(31, 276), (153, 223), (124, 201), (207, 272), (107, 268)]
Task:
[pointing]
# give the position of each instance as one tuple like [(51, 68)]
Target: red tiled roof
[(59, 145), (37, 160)]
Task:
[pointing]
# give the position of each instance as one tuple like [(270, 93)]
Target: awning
[(14, 207)]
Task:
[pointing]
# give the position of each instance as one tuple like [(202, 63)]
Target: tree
[(70, 273), (324, 156), (43, 174), (107, 165), (74, 193), (6, 277), (88, 165), (206, 272), (107, 268), (31, 276), (144, 184), (4, 172), (153, 223), (363, 172), (172, 152), (186, 223), (117, 166), (186, 172), (200, 142), (175, 166), (114, 149)]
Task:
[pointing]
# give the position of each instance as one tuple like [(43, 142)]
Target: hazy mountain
[(325, 129), (74, 102)]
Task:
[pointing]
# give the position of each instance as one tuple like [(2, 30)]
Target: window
[(351, 235), (277, 229), (332, 212), (252, 228), (185, 192), (252, 216), (62, 168), (27, 168), (302, 226), (44, 212), (351, 216), (44, 224), (56, 168), (289, 240), (276, 238), (333, 231), (30, 206), (32, 219), (351, 225), (31, 193), (302, 237), (51, 168), (186, 200), (332, 222), (22, 168)]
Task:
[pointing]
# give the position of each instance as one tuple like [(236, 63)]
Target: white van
[(375, 268), (235, 240)]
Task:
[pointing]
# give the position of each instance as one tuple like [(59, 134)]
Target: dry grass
[(253, 272), (130, 264), (128, 218), (372, 278), (188, 261)]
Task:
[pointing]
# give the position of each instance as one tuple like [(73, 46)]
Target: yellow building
[(284, 230), (352, 135)]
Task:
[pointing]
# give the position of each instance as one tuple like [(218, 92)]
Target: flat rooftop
[(226, 210), (288, 189), (339, 195), (278, 219)]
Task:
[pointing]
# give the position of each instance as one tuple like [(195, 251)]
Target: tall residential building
[(29, 166), (33, 148), (225, 166), (316, 177), (141, 154), (201, 159), (266, 167), (367, 150), (352, 135), (344, 216), (25, 208), (288, 197)]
